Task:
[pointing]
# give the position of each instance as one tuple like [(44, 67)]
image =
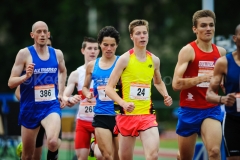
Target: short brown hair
[(88, 39), (137, 22), (203, 13)]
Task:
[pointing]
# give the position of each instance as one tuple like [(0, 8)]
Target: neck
[(204, 45), (140, 52), (40, 49), (105, 59)]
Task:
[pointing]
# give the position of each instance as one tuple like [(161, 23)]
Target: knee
[(53, 144), (214, 152), (152, 156)]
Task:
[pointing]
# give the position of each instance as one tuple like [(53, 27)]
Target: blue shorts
[(190, 119), (31, 117)]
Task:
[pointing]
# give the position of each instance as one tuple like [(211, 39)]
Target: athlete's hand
[(62, 103), (74, 99), (229, 99), (89, 96), (128, 106), (207, 77), (29, 70), (167, 100)]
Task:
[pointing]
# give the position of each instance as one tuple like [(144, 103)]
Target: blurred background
[(170, 28)]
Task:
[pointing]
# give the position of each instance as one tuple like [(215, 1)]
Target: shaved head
[(37, 24), (237, 30)]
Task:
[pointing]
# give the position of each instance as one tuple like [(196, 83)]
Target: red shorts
[(83, 134), (131, 125)]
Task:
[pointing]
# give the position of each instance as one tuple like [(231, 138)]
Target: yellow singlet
[(136, 82)]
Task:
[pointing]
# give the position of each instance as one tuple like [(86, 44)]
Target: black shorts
[(231, 133), (40, 136), (106, 122)]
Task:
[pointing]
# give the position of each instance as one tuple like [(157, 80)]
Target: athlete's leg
[(115, 148), (103, 136), (126, 147), (52, 125), (97, 152), (212, 128), (39, 143), (150, 141), (83, 133), (28, 142), (186, 146)]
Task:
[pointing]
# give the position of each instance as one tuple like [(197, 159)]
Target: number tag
[(44, 93), (101, 93), (86, 108), (139, 91)]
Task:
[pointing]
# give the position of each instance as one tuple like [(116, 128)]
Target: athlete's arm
[(114, 78), (88, 80), (186, 56), (20, 62), (71, 84), (220, 70), (158, 83), (62, 74), (222, 51)]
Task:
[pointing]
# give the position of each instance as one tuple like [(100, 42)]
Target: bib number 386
[(44, 93)]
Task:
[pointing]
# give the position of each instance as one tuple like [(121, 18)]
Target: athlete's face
[(140, 36), (205, 28), (108, 47), (91, 51), (40, 33)]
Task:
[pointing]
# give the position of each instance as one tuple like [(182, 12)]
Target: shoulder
[(74, 75), (24, 52), (187, 49), (91, 64), (221, 50), (124, 59), (155, 59), (59, 53), (222, 61), (186, 53)]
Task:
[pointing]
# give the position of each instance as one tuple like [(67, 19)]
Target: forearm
[(13, 82), (61, 82), (185, 83), (213, 97), (161, 87), (112, 94), (85, 91)]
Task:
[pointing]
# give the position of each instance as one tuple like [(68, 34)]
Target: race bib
[(101, 94), (139, 91), (86, 108), (205, 68), (44, 93)]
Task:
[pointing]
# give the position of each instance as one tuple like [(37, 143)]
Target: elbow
[(10, 85), (207, 97), (176, 87)]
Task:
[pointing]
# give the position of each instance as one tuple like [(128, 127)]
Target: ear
[(194, 29), (82, 51), (131, 36), (234, 37), (49, 33), (31, 34)]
